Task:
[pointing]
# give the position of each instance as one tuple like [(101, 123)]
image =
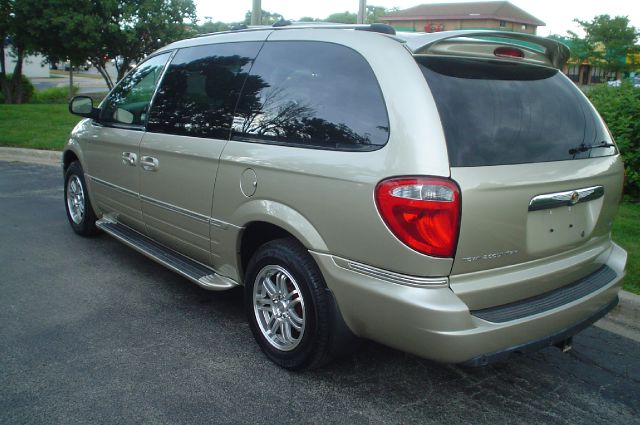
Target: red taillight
[(508, 52), (423, 212)]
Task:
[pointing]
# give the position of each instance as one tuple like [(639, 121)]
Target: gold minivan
[(448, 194)]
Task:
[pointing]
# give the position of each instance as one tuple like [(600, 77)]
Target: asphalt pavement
[(92, 332), (86, 85)]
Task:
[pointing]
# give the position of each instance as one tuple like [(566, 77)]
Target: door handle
[(149, 163), (129, 158)]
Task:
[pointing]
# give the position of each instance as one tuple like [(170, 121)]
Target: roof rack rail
[(285, 24), (281, 23), (382, 28)]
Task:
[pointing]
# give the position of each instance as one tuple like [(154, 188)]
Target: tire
[(308, 311), (80, 213)]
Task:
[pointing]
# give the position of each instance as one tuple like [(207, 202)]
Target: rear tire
[(291, 312), (80, 213)]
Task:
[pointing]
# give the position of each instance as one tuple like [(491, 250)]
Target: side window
[(312, 94), (129, 101), (200, 89)]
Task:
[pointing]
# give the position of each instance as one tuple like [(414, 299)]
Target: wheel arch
[(268, 220), (72, 153)]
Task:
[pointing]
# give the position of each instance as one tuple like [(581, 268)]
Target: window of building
[(200, 89), (503, 23), (312, 94)]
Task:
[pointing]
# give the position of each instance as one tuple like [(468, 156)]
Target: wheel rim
[(75, 199), (279, 307)]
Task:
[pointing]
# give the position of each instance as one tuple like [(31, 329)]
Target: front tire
[(80, 213), (291, 312)]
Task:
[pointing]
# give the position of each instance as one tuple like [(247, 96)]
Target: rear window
[(498, 113)]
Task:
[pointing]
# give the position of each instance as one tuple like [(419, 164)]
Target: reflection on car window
[(200, 89), (128, 102), (312, 94), (501, 113)]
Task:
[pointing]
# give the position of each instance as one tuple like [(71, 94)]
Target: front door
[(111, 148)]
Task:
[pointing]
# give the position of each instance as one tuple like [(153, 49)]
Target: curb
[(34, 156), (625, 318)]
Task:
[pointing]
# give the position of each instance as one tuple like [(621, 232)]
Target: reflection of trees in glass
[(197, 98), (276, 114), (199, 94), (134, 92)]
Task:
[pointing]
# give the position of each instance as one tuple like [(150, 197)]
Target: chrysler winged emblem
[(575, 197)]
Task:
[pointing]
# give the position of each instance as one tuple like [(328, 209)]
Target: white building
[(33, 66)]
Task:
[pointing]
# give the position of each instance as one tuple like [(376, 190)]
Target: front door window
[(129, 102)]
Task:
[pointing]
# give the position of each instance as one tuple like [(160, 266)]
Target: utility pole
[(362, 11), (256, 12)]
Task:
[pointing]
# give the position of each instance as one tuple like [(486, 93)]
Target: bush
[(27, 89), (54, 95), (620, 108)]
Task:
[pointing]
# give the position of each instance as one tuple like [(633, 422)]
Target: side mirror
[(83, 106)]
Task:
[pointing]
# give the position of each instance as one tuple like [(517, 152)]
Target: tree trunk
[(122, 70), (105, 75), (4, 85), (70, 80), (3, 69), (15, 87)]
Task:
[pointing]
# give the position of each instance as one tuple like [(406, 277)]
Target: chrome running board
[(192, 270)]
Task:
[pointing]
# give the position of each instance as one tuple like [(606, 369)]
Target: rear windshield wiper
[(585, 148)]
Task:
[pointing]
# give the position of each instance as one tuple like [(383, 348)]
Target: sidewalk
[(33, 156)]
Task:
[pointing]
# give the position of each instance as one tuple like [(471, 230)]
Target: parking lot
[(93, 332)]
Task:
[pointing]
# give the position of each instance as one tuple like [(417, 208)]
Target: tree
[(6, 8), (343, 18), (610, 39), (209, 26), (13, 25), (581, 52), (374, 13), (372, 16), (147, 25), (268, 18), (99, 31)]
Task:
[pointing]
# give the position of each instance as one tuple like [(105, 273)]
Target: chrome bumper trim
[(389, 276)]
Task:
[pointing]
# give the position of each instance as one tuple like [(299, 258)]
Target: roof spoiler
[(555, 52)]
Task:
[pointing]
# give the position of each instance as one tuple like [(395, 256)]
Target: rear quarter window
[(311, 94), (499, 113)]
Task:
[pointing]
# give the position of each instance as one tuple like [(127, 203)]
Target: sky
[(557, 14)]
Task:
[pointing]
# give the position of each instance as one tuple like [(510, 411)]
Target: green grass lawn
[(36, 126), (48, 126), (626, 232)]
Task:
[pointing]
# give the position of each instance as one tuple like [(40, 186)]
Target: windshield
[(498, 113)]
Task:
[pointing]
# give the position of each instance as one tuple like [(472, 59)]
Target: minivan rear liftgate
[(539, 176)]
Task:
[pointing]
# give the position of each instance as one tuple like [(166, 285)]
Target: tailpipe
[(565, 345)]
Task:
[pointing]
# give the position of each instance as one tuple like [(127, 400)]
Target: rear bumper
[(547, 341), (432, 322)]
